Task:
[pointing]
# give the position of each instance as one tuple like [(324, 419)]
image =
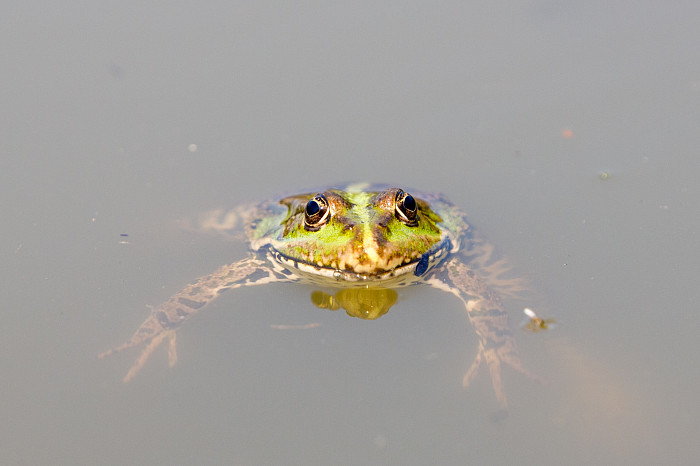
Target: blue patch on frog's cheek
[(422, 265)]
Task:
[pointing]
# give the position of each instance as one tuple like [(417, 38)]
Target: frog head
[(356, 234)]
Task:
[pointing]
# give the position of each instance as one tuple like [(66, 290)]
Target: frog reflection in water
[(365, 303), (357, 238)]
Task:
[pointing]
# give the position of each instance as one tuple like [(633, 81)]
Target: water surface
[(127, 119)]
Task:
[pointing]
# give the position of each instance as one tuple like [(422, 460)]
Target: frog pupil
[(409, 203), (312, 208)]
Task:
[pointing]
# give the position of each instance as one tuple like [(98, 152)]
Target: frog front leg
[(489, 320), (167, 318)]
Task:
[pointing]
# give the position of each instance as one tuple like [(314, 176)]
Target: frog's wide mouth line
[(418, 266)]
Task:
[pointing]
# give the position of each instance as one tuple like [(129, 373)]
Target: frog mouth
[(412, 270)]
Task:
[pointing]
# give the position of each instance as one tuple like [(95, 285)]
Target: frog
[(366, 241)]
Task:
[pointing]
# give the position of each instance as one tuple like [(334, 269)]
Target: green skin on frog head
[(366, 233)]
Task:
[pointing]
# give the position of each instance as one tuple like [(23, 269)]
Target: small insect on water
[(535, 323)]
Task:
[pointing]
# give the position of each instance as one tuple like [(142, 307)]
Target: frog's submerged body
[(362, 236)]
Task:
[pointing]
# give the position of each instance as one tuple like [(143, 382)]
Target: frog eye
[(406, 208), (316, 213)]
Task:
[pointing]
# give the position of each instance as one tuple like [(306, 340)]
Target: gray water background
[(128, 118)]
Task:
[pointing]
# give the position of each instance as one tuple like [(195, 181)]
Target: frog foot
[(494, 359), (151, 333)]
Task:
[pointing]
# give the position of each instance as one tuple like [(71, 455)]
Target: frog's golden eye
[(406, 208), (316, 213)]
